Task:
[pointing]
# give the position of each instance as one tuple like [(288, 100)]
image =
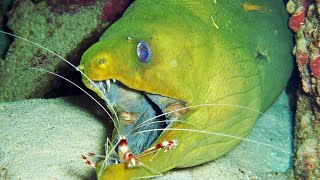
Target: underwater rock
[(69, 6), (305, 22), (306, 145), (35, 144), (57, 32), (67, 34), (4, 40), (2, 36), (113, 9), (1, 13)]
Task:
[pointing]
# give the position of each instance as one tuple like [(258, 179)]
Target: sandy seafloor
[(44, 139)]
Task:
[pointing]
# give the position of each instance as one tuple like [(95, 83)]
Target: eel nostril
[(102, 61)]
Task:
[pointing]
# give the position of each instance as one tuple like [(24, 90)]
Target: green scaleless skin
[(205, 51)]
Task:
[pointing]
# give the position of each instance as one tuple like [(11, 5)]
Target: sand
[(44, 139)]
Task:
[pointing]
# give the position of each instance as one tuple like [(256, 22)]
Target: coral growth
[(307, 146), (305, 22), (298, 17), (307, 42)]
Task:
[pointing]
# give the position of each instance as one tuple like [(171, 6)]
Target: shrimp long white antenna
[(108, 154), (104, 164), (200, 105), (163, 121), (60, 57), (217, 134), (150, 169), (146, 124), (148, 177), (113, 148), (39, 69)]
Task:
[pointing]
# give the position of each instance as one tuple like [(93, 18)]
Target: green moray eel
[(206, 51)]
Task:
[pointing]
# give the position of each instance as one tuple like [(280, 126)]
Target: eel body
[(230, 52)]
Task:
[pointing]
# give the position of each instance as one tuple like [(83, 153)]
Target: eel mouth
[(139, 111)]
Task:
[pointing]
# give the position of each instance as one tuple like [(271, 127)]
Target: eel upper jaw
[(102, 87)]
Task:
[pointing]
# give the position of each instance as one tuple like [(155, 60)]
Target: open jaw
[(135, 110)]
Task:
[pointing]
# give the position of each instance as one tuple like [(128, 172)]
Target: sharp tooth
[(114, 80), (91, 84), (108, 85), (102, 88), (101, 85)]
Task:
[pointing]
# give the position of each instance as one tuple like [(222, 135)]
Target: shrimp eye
[(144, 52)]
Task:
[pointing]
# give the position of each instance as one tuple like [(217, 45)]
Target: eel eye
[(144, 52)]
